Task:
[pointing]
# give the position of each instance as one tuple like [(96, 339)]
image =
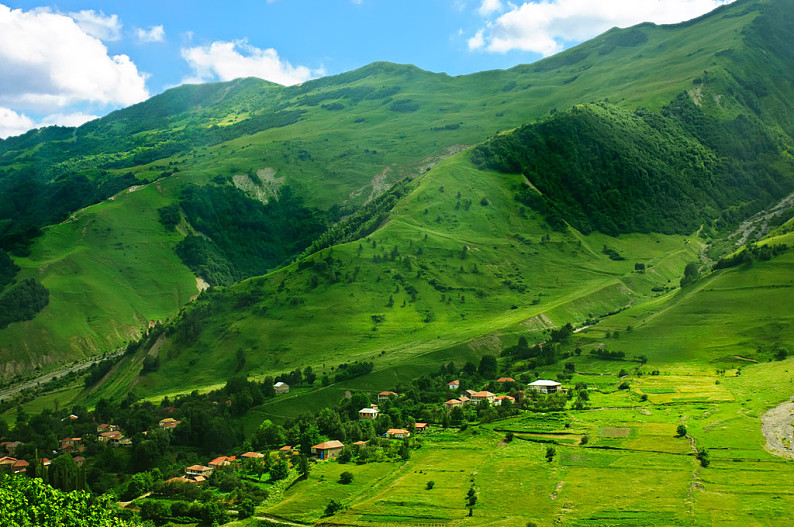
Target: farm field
[(634, 470)]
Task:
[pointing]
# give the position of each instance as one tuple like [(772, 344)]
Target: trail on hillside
[(776, 425)]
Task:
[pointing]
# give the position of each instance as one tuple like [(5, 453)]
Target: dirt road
[(11, 391)]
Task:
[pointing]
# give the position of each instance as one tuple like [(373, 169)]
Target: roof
[(394, 431), (279, 383), (453, 401), (542, 382), (360, 443), (505, 379), (111, 434), (420, 425), (21, 463), (328, 445), (503, 397), (252, 455), (368, 411), (198, 468), (7, 460), (450, 383), (483, 394), (285, 448), (219, 460), (387, 393)]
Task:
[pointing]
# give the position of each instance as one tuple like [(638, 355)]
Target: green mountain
[(198, 181)]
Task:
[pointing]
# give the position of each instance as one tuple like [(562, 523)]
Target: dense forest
[(600, 167)]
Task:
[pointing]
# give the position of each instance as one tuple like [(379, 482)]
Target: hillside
[(332, 145)]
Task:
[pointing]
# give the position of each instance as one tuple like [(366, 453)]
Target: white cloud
[(544, 26), (48, 62), (231, 60), (490, 6), (12, 123), (153, 34), (477, 41), (107, 28)]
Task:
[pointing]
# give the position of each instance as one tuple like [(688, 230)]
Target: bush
[(346, 477), (332, 508), (681, 430), (430, 484)]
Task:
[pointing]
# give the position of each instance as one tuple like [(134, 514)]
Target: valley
[(326, 304)]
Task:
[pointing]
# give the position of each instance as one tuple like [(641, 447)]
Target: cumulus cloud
[(48, 61), (477, 41), (231, 60), (107, 28), (12, 123), (153, 34), (544, 26), (490, 6)]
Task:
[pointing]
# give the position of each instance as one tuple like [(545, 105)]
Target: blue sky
[(68, 61)]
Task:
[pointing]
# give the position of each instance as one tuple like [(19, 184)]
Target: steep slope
[(335, 143)]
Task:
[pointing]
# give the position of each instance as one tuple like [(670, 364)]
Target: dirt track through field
[(776, 425)]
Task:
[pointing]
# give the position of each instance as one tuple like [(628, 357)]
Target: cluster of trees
[(749, 253), (246, 237), (599, 167), (22, 301)]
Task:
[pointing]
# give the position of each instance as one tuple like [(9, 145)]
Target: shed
[(545, 386)]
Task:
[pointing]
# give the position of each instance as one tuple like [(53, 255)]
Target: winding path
[(776, 425)]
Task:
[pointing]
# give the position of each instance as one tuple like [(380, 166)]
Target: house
[(221, 461), (70, 444), (195, 471), (281, 387), (169, 423), (384, 396), (328, 449), (286, 448), (545, 386), (453, 385), (114, 438), (7, 464), (104, 427), (502, 398), (45, 461), (505, 379), (464, 400), (252, 455), (11, 446), (470, 393), (452, 403), (483, 396), (420, 427), (79, 460), (397, 433), (20, 466), (368, 413)]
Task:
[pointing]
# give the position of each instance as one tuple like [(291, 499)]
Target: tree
[(691, 273), (332, 508), (488, 367), (303, 466), (346, 477), (430, 485), (63, 473), (703, 457), (279, 471), (245, 509), (550, 453), (681, 430)]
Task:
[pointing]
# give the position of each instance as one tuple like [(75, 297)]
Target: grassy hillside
[(335, 143), (459, 259)]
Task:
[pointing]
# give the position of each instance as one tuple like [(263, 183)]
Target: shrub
[(346, 477)]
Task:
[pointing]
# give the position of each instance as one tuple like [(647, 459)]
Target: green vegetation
[(262, 138)]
